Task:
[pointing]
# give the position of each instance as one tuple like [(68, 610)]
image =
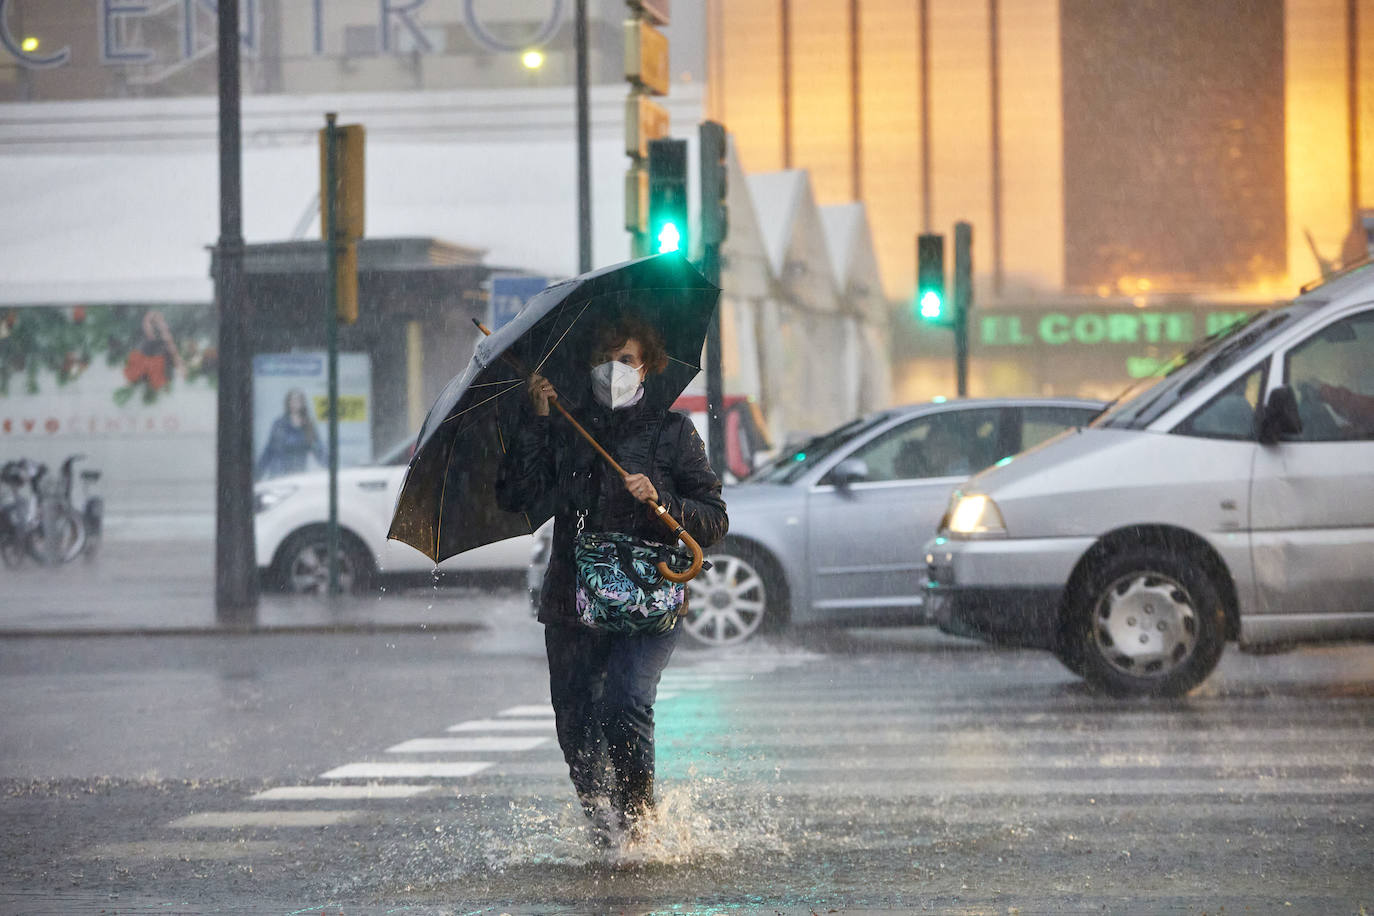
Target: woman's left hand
[(641, 488)]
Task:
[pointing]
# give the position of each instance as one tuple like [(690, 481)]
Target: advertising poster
[(291, 412), (130, 387), (93, 371)]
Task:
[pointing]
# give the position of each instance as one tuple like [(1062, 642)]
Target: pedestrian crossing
[(804, 726), (514, 742)]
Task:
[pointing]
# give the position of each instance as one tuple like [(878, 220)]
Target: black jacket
[(549, 467)]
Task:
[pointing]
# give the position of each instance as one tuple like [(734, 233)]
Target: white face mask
[(615, 384)]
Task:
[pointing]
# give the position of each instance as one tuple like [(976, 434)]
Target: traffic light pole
[(963, 302), (714, 228), (715, 375), (584, 154), (236, 580), (331, 324)]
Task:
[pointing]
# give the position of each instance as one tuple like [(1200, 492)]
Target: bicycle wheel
[(60, 535)]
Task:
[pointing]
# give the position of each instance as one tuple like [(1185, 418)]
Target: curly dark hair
[(613, 334)]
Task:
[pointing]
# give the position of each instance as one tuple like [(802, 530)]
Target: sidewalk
[(143, 585)]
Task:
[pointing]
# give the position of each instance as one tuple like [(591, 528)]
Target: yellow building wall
[(749, 38), (1316, 128), (746, 39), (1032, 147), (822, 127), (961, 129), (1366, 103)]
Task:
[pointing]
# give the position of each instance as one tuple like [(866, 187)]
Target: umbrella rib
[(443, 491), (501, 441), (566, 332), (512, 387), (503, 381)]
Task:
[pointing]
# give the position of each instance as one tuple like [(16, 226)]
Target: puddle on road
[(688, 829)]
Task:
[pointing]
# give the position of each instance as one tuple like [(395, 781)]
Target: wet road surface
[(859, 771)]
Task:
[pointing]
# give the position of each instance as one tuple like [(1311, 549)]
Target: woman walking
[(603, 684)]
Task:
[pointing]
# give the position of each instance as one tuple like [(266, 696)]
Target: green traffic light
[(931, 305), (669, 238)]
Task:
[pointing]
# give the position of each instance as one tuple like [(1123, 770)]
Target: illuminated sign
[(1129, 328), (118, 25)]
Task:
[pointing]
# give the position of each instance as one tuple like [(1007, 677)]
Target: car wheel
[(734, 599), (1150, 622), (302, 564)]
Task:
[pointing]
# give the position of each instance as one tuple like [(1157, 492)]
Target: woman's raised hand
[(641, 488), (541, 392)]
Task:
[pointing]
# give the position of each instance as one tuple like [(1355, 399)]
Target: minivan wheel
[(1149, 622), (734, 599), (302, 564)]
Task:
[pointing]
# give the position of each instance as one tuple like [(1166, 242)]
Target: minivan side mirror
[(847, 473), (1280, 417)]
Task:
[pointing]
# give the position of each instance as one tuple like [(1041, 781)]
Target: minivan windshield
[(791, 463), (1144, 402)]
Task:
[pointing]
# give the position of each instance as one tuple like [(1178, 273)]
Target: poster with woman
[(291, 412)]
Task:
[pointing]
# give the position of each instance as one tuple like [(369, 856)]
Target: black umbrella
[(447, 503)]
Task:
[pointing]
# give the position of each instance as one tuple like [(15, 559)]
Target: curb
[(332, 629)]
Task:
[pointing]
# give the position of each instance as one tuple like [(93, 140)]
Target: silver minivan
[(1231, 497)]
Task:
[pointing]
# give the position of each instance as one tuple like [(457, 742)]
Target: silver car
[(831, 531), (1230, 498)]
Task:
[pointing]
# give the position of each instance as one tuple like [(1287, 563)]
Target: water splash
[(692, 825)]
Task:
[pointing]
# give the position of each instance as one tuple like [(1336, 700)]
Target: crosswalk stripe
[(233, 819), (466, 745), (342, 793), (417, 770), (501, 725), (528, 711)]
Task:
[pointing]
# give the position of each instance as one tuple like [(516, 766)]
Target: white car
[(290, 521), (1231, 498)]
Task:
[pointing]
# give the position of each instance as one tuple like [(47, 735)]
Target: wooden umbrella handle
[(660, 512), (673, 525)]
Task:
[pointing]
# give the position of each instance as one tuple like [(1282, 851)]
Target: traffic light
[(667, 195), (930, 279), (715, 219), (346, 197)]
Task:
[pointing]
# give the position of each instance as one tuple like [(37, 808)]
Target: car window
[(953, 443), (1148, 400), (1332, 377), (1041, 423), (795, 461), (1231, 414)]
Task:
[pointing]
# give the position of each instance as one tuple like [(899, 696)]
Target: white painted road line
[(466, 745), (232, 819), (341, 793), (703, 678), (532, 711), (431, 770), (502, 725)]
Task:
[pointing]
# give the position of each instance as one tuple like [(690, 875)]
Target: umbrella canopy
[(447, 503)]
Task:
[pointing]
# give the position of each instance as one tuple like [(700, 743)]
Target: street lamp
[(533, 59)]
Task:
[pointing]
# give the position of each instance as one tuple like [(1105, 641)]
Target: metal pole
[(584, 153), (331, 324), (715, 376), (236, 581), (963, 301)]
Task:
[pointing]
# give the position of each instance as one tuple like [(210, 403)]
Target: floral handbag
[(619, 588)]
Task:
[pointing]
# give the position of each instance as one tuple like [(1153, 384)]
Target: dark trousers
[(603, 688)]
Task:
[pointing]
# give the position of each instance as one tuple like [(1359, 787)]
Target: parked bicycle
[(91, 507), (38, 519)]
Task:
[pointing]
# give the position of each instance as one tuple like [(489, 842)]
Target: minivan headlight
[(975, 515)]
